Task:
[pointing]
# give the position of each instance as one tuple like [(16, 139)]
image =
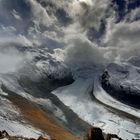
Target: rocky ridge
[(93, 133)]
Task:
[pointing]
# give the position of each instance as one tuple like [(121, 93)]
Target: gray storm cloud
[(65, 25)]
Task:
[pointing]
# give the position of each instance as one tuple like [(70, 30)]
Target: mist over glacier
[(76, 41)]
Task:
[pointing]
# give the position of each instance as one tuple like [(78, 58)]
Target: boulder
[(112, 136), (42, 138), (94, 133), (3, 134)]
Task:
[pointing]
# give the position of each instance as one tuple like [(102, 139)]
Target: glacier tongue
[(79, 97)]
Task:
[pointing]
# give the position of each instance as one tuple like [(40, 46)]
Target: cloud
[(123, 38), (46, 29), (133, 15), (40, 14), (10, 61), (120, 41), (16, 15)]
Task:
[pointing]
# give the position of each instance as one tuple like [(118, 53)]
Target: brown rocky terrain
[(36, 117), (39, 119)]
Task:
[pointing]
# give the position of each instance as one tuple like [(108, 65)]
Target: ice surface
[(105, 98), (79, 97)]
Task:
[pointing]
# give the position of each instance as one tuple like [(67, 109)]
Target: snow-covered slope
[(11, 121), (16, 128)]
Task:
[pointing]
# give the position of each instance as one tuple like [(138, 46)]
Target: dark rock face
[(3, 134), (96, 133), (122, 81), (112, 136)]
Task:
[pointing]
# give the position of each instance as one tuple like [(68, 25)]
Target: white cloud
[(40, 14), (123, 38), (133, 15), (16, 15)]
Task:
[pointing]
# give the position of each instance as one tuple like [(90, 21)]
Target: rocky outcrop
[(42, 138), (112, 136), (4, 135), (122, 81), (96, 133)]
